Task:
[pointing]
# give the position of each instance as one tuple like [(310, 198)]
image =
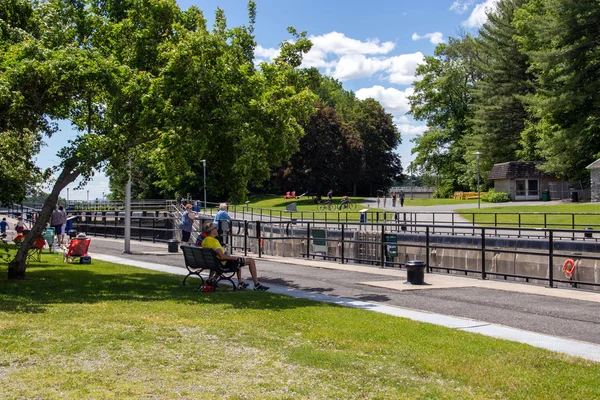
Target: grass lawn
[(110, 331), (578, 214), (275, 205)]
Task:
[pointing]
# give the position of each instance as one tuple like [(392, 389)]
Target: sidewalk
[(561, 320)]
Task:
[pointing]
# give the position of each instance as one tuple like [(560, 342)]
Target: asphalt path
[(561, 317)]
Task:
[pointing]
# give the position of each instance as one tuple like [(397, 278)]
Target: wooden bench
[(198, 260)]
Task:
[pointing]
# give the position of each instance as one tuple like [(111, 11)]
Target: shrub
[(495, 197)]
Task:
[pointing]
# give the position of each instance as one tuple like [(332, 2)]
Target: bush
[(495, 197)]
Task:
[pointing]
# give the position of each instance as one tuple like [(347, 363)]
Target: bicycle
[(347, 204), (326, 206)]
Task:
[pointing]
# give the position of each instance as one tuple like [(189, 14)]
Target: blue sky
[(372, 47)]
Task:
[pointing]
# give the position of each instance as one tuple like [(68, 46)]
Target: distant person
[(330, 196), (178, 200), (401, 198), (187, 223), (56, 221), (222, 215), (345, 202), (394, 199), (64, 225), (189, 198), (211, 242), (378, 200), (384, 199), (3, 227), (20, 227)]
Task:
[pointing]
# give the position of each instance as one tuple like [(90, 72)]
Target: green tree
[(560, 37), (444, 98), (499, 115)]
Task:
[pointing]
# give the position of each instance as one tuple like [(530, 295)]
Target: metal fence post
[(382, 246), (342, 250), (483, 274), (550, 259), (259, 239), (245, 237), (307, 240), (427, 249)]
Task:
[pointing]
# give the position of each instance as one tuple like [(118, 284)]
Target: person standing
[(20, 227), (384, 199), (178, 200), (56, 221), (189, 198), (401, 198), (330, 196), (187, 223), (3, 227), (394, 199), (378, 200), (64, 225)]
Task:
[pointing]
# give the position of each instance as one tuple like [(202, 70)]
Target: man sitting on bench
[(211, 242)]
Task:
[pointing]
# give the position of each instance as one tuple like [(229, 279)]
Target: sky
[(373, 47)]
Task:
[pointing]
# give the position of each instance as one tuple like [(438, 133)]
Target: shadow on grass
[(50, 284)]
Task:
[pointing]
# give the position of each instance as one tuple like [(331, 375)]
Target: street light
[(477, 154), (204, 165)]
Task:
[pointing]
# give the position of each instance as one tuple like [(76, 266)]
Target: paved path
[(558, 319)]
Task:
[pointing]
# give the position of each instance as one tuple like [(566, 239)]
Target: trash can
[(415, 272), (173, 245), (363, 215), (574, 197), (588, 233), (546, 196)]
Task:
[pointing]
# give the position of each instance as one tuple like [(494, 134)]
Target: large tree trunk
[(16, 268)]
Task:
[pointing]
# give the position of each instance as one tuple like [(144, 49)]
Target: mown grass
[(108, 331), (572, 216)]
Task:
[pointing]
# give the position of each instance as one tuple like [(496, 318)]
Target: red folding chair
[(77, 248), (35, 252)]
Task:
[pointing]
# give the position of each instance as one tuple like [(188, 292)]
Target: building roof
[(594, 165), (517, 170)]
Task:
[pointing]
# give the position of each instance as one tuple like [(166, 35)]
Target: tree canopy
[(524, 88), (172, 89)]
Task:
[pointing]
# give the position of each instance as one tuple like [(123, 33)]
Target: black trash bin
[(588, 233), (415, 272), (574, 197), (72, 233), (173, 245)]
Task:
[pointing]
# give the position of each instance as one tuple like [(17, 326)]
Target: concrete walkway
[(561, 320)]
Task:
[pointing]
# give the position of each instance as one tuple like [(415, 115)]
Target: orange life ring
[(569, 267)]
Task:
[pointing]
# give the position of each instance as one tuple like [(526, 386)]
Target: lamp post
[(204, 167), (477, 154)]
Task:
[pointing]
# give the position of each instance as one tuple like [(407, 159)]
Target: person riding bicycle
[(345, 202)]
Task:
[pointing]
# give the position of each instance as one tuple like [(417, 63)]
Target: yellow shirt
[(211, 243)]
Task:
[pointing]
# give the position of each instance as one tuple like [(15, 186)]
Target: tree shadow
[(46, 285), (291, 284)]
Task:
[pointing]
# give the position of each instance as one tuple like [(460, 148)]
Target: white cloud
[(344, 58), (402, 68), (393, 100), (262, 52), (409, 129), (434, 37), (338, 43), (460, 7), (357, 66), (478, 16)]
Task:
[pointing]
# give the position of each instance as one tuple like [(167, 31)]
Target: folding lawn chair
[(49, 235), (77, 248), (35, 252)]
